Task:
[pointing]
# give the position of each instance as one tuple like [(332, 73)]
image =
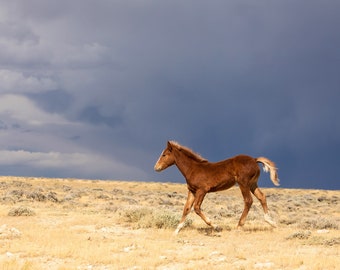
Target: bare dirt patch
[(83, 224)]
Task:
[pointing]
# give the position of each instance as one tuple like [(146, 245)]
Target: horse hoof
[(270, 221), (273, 224), (239, 228)]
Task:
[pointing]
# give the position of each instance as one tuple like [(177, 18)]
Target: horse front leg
[(186, 210), (197, 207)]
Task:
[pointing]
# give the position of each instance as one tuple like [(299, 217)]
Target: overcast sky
[(94, 89)]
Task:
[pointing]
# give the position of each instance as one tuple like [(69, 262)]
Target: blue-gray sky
[(94, 89)]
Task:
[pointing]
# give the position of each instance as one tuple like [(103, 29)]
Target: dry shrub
[(319, 223), (321, 240), (136, 215), (21, 211), (299, 235), (165, 220), (287, 220), (52, 196), (332, 242), (36, 195), (148, 218)]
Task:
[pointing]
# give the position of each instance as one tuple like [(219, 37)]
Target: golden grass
[(83, 224)]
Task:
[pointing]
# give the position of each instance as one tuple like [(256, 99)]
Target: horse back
[(242, 165), (215, 176)]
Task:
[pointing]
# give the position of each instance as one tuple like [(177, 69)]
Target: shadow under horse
[(203, 177)]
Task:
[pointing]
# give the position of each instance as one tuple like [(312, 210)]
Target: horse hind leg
[(248, 201), (262, 198)]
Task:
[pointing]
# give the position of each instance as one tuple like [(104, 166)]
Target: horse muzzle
[(158, 168)]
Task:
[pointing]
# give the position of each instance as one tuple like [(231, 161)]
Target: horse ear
[(169, 146)]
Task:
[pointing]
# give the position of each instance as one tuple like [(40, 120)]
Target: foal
[(203, 177)]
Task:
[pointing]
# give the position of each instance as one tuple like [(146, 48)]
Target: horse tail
[(269, 166)]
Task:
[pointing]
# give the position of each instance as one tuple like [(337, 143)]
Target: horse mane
[(188, 152)]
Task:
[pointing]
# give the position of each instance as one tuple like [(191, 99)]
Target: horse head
[(166, 159)]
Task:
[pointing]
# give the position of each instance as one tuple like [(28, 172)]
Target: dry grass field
[(83, 224)]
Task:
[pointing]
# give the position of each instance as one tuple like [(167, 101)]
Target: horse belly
[(223, 184)]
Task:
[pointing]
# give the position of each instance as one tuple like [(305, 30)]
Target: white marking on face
[(158, 167)]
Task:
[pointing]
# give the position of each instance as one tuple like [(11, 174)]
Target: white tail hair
[(269, 166)]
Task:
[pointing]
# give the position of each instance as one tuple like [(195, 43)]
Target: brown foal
[(203, 177)]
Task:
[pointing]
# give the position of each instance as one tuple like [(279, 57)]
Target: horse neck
[(183, 162)]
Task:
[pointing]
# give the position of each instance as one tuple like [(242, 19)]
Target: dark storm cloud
[(221, 77), (55, 101), (92, 115)]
